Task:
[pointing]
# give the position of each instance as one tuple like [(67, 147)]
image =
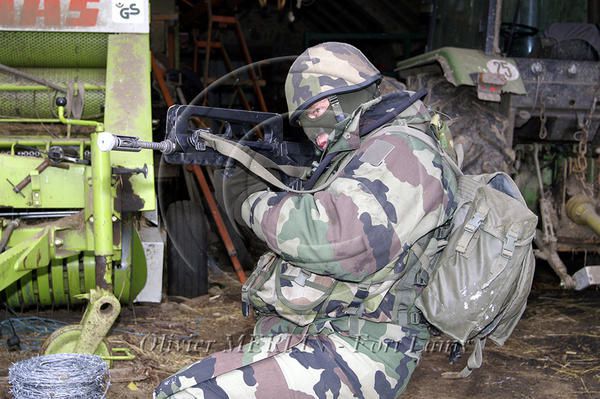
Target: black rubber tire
[(187, 272), (476, 125)]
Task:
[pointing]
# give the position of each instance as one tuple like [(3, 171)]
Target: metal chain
[(543, 130), (546, 210), (580, 164), (598, 174)]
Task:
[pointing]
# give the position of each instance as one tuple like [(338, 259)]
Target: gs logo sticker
[(128, 11)]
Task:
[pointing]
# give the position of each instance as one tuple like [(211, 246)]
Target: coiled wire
[(60, 376)]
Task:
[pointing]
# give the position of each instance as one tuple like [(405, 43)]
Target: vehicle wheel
[(187, 273), (483, 132)]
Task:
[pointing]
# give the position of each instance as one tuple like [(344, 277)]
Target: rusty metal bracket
[(489, 86)]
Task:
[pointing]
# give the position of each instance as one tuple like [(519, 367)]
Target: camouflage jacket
[(346, 254)]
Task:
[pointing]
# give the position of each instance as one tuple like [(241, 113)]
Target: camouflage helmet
[(325, 70)]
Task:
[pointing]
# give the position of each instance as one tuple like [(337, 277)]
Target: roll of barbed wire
[(60, 376)]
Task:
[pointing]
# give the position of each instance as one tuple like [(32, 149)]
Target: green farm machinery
[(524, 97), (71, 217)]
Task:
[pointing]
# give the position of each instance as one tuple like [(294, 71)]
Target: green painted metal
[(59, 188), (138, 265), (8, 87), (100, 314), (36, 254), (28, 120), (41, 141), (58, 282), (101, 178), (78, 122), (37, 101), (121, 282), (53, 49), (74, 278), (27, 290), (72, 238), (65, 339), (19, 260), (43, 286), (12, 296), (64, 280), (128, 109), (52, 264), (458, 65), (89, 271)]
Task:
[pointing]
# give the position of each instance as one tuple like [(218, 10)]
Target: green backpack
[(479, 284)]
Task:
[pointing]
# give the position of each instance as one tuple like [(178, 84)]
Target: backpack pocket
[(478, 271)]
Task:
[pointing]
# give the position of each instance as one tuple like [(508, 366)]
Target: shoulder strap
[(435, 146), (259, 164)]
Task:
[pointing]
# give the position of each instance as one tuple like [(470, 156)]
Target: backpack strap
[(434, 145), (474, 362)]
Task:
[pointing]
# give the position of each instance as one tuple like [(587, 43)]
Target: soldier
[(335, 298)]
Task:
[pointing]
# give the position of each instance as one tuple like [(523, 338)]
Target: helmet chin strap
[(336, 107)]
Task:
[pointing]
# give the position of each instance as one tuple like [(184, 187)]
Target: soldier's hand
[(232, 187)]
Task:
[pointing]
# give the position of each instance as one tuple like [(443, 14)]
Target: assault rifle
[(257, 133)]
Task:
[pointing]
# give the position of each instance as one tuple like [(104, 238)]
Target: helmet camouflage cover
[(324, 70)]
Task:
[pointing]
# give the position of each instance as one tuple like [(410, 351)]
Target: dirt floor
[(553, 353)]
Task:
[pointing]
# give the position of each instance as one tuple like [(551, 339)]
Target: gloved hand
[(233, 186)]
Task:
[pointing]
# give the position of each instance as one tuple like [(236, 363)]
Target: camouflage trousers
[(300, 366)]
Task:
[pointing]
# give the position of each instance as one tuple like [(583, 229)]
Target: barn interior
[(141, 236)]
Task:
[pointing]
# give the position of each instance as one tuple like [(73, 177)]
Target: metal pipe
[(12, 225), (102, 216), (25, 182), (29, 120), (432, 25), (37, 215), (8, 87), (77, 122), (38, 141), (492, 32), (25, 75), (582, 210)]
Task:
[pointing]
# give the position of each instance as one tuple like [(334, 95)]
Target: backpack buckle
[(469, 231), (508, 248), (473, 224), (414, 317), (407, 317), (421, 278)]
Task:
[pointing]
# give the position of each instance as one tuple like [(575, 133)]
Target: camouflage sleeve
[(393, 191)]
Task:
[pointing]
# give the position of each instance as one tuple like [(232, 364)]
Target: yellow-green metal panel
[(121, 283), (53, 49), (43, 286), (74, 278), (59, 188), (138, 266), (128, 110), (27, 289), (12, 296), (89, 271), (16, 101), (17, 261), (58, 282)]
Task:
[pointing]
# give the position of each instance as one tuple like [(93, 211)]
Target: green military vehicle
[(525, 99), (71, 216)]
